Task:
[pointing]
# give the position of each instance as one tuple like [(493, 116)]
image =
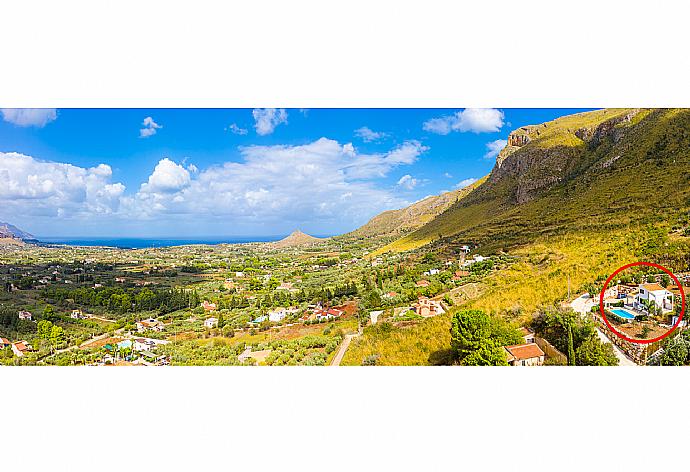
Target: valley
[(484, 275)]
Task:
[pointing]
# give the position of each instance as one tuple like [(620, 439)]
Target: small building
[(426, 307), (4, 342), (211, 323), (208, 306), (524, 355), (77, 315), (277, 314), (527, 335), (143, 345), (25, 315), (20, 348), (149, 324), (390, 295), (423, 283)]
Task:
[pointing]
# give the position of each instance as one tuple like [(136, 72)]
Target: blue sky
[(234, 172)]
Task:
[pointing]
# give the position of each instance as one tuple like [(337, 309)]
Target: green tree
[(676, 353), (478, 339), (57, 336), (43, 329), (571, 346), (594, 352), (49, 312)]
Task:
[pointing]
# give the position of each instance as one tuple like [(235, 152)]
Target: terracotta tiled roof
[(653, 287), (525, 351)]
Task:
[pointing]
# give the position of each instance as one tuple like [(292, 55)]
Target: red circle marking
[(642, 341)]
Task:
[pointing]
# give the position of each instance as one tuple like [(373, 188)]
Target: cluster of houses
[(19, 348)]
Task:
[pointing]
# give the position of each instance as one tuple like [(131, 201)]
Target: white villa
[(661, 297)]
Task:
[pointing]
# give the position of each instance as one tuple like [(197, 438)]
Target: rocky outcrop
[(593, 136), (535, 167)]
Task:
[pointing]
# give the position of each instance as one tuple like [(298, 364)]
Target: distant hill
[(405, 220), (12, 232), (594, 171), (295, 239)]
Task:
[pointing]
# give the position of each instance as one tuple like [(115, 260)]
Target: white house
[(20, 348), (141, 344), (25, 315), (661, 297), (211, 322), (277, 314)]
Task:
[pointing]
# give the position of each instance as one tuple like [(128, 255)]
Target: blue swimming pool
[(625, 314)]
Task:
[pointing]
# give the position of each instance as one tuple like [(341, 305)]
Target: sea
[(142, 243)]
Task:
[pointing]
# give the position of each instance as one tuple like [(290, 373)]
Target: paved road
[(343, 348)]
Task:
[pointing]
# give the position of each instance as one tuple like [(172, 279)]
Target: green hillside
[(593, 171), (569, 201)]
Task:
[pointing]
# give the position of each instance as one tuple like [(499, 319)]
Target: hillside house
[(423, 283), (277, 314), (655, 293), (524, 355), (390, 295), (141, 344), (465, 249), (426, 307), (208, 306), (25, 315), (150, 324), (211, 323), (77, 315), (4, 342), (20, 348)]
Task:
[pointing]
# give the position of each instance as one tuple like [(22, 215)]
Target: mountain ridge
[(588, 171)]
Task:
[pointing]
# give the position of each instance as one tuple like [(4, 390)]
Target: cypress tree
[(571, 348)]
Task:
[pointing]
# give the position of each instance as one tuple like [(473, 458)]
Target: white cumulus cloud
[(408, 182), (267, 119), (369, 135), (149, 127), (32, 187), (494, 147), (167, 177), (319, 181), (38, 117), (476, 120)]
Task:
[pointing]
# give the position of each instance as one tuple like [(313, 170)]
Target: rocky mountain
[(12, 232), (295, 239), (593, 171), (405, 220)]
